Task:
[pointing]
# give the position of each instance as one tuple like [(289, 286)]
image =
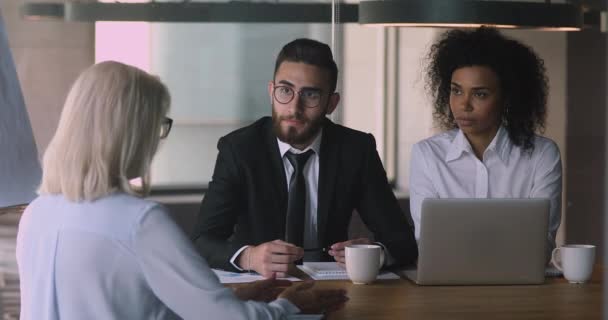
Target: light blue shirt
[(119, 257)]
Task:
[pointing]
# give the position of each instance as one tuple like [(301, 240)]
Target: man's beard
[(292, 136)]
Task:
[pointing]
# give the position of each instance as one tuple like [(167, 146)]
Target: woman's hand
[(313, 301), (262, 290)]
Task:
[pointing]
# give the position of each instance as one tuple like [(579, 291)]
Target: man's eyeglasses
[(165, 127), (311, 98)]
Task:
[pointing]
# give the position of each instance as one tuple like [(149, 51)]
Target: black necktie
[(296, 203)]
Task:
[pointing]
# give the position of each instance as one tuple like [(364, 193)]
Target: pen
[(316, 249)]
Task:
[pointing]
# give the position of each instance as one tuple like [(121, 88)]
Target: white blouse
[(119, 257), (445, 166)]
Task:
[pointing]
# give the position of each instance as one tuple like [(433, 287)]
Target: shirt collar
[(501, 145), (459, 145), (315, 146)]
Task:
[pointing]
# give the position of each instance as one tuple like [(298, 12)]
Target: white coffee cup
[(363, 262), (575, 261)]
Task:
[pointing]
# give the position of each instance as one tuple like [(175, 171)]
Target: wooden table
[(401, 299)]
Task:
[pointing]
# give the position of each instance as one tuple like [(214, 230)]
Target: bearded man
[(284, 188)]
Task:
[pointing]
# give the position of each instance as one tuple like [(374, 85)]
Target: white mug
[(363, 262), (575, 261)]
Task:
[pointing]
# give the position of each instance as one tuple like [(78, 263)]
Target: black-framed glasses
[(165, 127), (311, 98)]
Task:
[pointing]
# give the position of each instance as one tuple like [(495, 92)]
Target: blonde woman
[(89, 247)]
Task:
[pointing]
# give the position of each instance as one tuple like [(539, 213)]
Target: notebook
[(332, 271), (324, 270), (482, 241)]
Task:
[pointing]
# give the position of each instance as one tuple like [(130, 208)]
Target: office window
[(218, 73)]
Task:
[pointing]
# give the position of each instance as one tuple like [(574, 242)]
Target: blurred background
[(218, 71)]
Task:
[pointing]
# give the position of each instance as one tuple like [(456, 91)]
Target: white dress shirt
[(445, 166), (311, 175), (119, 257)]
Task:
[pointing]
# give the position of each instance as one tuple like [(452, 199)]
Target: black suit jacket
[(246, 203)]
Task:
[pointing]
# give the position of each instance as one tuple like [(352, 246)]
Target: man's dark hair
[(310, 52), (520, 71)]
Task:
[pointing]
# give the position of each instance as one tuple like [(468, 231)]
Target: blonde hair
[(107, 134)]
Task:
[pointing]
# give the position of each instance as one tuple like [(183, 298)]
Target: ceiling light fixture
[(468, 13), (233, 11)]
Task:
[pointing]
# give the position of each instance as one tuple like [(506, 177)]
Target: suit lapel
[(277, 177), (328, 161)]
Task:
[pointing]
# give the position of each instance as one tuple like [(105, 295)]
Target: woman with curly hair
[(490, 96)]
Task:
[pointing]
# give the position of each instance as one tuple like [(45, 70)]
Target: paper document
[(332, 271), (236, 277)]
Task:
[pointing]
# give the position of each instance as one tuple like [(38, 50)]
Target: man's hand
[(263, 290), (274, 258), (311, 301), (337, 249)]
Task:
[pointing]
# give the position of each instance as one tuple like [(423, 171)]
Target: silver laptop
[(482, 242)]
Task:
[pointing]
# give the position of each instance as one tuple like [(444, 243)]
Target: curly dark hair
[(520, 71)]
